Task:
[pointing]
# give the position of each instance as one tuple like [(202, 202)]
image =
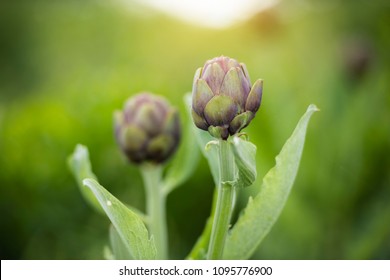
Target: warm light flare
[(210, 13)]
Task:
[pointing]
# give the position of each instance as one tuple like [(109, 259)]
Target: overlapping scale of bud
[(148, 128), (223, 98)]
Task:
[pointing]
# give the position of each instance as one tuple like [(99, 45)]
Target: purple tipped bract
[(223, 98), (148, 128)]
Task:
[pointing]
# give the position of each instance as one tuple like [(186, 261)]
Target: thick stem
[(225, 202), (155, 207)]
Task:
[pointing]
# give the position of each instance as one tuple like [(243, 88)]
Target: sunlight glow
[(210, 13)]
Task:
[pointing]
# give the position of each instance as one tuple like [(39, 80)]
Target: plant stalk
[(155, 208), (225, 202)]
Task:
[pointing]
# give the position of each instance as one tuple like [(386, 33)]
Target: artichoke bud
[(223, 98), (148, 129)]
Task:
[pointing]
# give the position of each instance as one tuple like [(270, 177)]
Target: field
[(66, 66)]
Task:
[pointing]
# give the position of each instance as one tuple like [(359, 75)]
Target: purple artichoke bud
[(148, 129), (223, 98)]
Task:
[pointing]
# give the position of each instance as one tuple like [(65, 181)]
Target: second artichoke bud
[(223, 98), (148, 129)]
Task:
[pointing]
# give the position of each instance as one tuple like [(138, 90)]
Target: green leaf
[(185, 161), (118, 248), (211, 153), (261, 212), (203, 138), (245, 159), (107, 253), (80, 167), (129, 225)]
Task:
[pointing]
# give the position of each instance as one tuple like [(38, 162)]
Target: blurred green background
[(65, 66)]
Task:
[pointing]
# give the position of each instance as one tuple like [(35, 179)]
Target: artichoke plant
[(223, 98), (148, 129)]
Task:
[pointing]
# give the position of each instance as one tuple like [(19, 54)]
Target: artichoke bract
[(223, 98), (148, 129)]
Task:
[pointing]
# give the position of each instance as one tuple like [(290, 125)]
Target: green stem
[(155, 207), (225, 202), (199, 250)]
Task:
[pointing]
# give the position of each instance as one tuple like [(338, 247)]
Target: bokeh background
[(65, 66)]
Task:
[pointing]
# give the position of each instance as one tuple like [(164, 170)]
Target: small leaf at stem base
[(245, 160)]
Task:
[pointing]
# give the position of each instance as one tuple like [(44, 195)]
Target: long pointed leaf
[(128, 224), (80, 167), (262, 212)]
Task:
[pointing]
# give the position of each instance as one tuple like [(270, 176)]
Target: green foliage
[(80, 166), (118, 247), (129, 226), (245, 160), (123, 236), (262, 212), (66, 65)]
